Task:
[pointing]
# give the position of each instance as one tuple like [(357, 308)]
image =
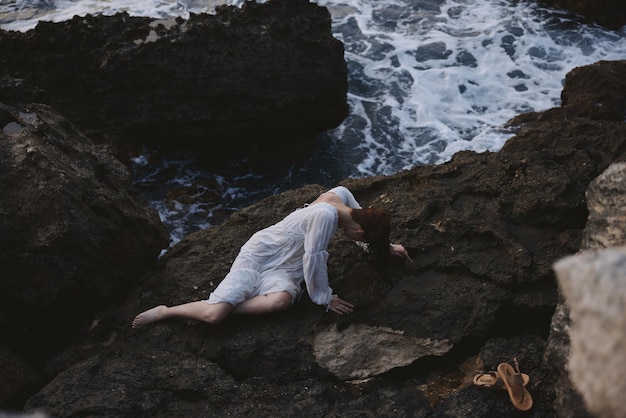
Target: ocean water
[(427, 78)]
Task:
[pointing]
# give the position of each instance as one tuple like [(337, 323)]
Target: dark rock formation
[(595, 292), (608, 13), (593, 92), (258, 75), (74, 235), (484, 231)]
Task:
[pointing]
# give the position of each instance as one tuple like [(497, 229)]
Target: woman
[(268, 273)]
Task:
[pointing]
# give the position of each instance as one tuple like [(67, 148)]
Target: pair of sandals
[(514, 381)]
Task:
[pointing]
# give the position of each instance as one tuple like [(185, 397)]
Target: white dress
[(283, 256)]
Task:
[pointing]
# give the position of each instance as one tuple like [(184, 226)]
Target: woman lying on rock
[(267, 274)]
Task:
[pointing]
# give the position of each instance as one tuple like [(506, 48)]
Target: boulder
[(74, 234), (608, 13), (590, 287), (256, 76)]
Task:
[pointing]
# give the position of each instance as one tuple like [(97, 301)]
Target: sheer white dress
[(285, 255)]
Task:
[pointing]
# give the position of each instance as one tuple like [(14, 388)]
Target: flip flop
[(493, 380), (514, 384)]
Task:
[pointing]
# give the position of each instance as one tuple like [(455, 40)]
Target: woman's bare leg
[(272, 302), (211, 313)]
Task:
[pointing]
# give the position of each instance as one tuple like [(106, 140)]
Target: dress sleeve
[(320, 229)]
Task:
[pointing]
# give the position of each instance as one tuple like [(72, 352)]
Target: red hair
[(377, 226)]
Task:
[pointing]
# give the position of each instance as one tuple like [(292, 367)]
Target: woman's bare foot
[(149, 316)]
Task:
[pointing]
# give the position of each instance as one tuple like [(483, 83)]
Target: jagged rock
[(593, 91), (609, 13), (595, 291), (596, 91), (361, 351), (606, 200), (73, 233), (484, 231), (257, 75), (605, 228)]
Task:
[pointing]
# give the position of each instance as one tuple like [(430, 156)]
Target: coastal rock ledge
[(259, 75), (488, 233), (485, 231)]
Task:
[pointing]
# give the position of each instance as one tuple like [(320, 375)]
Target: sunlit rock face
[(594, 285), (592, 318), (362, 351)]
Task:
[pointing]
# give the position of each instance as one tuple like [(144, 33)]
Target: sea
[(427, 78)]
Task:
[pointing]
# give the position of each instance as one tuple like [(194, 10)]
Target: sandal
[(514, 384), (493, 380)]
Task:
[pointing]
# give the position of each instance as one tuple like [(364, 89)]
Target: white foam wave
[(427, 83)]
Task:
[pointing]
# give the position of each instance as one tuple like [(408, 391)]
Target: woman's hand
[(340, 306), (398, 250)]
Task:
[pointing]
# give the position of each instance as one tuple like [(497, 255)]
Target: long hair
[(377, 226)]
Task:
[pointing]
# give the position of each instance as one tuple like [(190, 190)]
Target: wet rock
[(609, 13), (19, 379), (432, 51), (606, 199)]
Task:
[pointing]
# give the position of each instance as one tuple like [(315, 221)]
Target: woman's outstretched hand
[(398, 250), (340, 306)]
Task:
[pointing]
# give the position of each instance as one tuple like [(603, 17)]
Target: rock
[(255, 76), (596, 91), (567, 400), (73, 233), (609, 13), (361, 351), (606, 200), (606, 227), (19, 379), (484, 231), (595, 291), (593, 91)]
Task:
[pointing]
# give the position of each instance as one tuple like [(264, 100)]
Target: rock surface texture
[(485, 231), (609, 13), (74, 234), (258, 75), (594, 286)]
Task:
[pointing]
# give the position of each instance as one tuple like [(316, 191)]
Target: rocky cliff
[(485, 231), (259, 75)]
